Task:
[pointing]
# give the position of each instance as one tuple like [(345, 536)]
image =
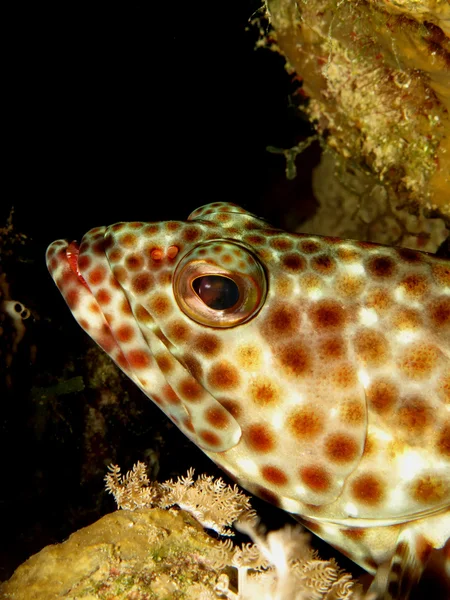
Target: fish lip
[(72, 255)]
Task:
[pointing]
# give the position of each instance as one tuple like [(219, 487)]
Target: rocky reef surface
[(377, 75)]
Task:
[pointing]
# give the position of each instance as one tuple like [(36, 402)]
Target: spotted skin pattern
[(325, 389)]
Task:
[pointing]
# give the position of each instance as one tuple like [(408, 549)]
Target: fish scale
[(324, 388)]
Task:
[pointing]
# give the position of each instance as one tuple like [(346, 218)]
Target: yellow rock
[(378, 77), (149, 551)]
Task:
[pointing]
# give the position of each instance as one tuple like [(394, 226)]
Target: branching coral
[(212, 502), (279, 565), (133, 490), (156, 553)]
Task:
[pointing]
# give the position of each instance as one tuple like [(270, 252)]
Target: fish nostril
[(157, 254), (172, 251)]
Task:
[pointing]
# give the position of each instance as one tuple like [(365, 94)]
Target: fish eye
[(220, 284), (216, 291)]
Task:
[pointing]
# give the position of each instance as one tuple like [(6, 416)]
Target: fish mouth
[(72, 255)]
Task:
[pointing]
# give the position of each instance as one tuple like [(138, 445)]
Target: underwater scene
[(225, 303)]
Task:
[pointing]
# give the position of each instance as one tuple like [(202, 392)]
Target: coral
[(353, 204), (132, 490), (212, 502), (155, 553), (281, 565), (377, 75)]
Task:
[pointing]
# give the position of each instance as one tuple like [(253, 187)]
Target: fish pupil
[(217, 292)]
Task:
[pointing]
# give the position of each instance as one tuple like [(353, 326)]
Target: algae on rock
[(152, 553), (377, 74)]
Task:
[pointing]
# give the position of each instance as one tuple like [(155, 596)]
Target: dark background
[(118, 113), (123, 114)]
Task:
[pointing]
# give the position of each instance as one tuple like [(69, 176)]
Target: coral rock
[(378, 77), (135, 555)]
